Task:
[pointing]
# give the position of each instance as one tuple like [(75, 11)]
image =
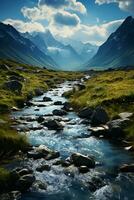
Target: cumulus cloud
[(67, 19), (126, 5), (65, 4), (25, 26)]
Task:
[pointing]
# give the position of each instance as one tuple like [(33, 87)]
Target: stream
[(75, 137)]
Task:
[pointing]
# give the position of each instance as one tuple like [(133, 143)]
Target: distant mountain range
[(16, 47), (118, 50), (69, 56)]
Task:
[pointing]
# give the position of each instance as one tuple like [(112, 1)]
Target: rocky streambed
[(68, 158)]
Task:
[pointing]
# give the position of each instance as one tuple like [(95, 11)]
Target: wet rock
[(46, 99), (125, 115), (67, 106), (43, 168), (119, 122), (83, 169), (39, 92), (24, 171), (59, 112), (130, 148), (40, 119), (43, 149), (14, 86), (30, 95), (53, 125), (86, 113), (25, 182), (15, 109), (15, 195), (127, 168), (99, 116), (116, 132), (40, 185), (95, 183), (53, 155), (100, 130), (71, 171), (82, 160), (58, 103), (35, 155), (29, 103)]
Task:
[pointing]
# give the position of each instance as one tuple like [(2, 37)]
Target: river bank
[(55, 165)]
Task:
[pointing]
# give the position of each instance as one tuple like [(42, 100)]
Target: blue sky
[(85, 20)]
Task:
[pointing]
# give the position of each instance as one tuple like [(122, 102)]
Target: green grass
[(113, 90), (10, 140)]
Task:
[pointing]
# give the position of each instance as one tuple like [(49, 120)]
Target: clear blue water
[(60, 186)]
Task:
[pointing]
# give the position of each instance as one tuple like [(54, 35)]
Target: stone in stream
[(125, 115), (46, 99), (59, 112), (40, 185), (127, 168), (43, 168), (58, 103), (40, 119), (95, 183), (83, 169), (53, 125), (53, 155), (99, 116), (25, 182), (71, 171), (67, 107), (86, 113), (14, 195), (98, 131), (82, 160)]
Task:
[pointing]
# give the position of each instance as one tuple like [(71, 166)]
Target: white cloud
[(25, 26), (126, 5)]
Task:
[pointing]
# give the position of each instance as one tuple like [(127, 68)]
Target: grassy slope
[(35, 77), (113, 90)]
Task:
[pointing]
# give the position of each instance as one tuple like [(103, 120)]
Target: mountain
[(16, 47), (65, 55), (118, 50), (85, 50)]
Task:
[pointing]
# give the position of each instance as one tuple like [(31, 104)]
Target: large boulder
[(59, 112), (43, 168), (86, 113), (67, 106), (82, 160), (53, 125), (46, 99), (25, 182), (14, 86), (127, 168), (99, 116)]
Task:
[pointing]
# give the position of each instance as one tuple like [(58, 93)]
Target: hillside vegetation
[(113, 90), (31, 78)]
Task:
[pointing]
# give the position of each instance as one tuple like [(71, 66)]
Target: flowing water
[(74, 138)]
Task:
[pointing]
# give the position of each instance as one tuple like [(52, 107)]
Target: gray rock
[(47, 99), (85, 113), (40, 119), (99, 116), (119, 122), (125, 115), (127, 168), (83, 169), (116, 132), (53, 125), (24, 171), (71, 171), (40, 185), (58, 103), (14, 86), (35, 155), (53, 155), (25, 182), (100, 130), (43, 168), (67, 106), (59, 112), (82, 160)]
